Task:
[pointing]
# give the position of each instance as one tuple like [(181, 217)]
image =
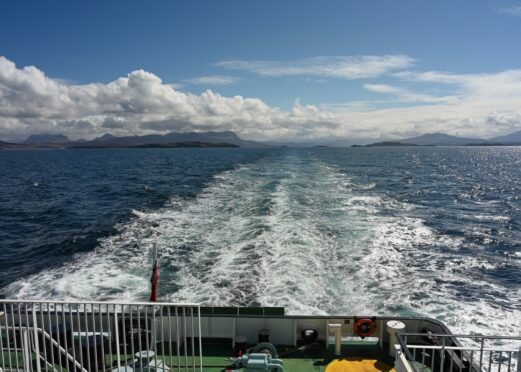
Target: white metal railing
[(99, 336), (459, 353)]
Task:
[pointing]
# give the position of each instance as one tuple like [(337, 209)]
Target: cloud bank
[(345, 67), (141, 103)]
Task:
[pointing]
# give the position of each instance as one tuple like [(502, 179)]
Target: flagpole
[(154, 278)]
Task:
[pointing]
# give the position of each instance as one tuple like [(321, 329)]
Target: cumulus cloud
[(141, 103), (345, 67), (213, 80)]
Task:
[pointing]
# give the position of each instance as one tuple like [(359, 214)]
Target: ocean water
[(432, 231)]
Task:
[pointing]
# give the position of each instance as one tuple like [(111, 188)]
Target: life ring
[(365, 327)]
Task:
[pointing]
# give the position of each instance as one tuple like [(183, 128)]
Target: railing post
[(26, 350), (116, 332), (36, 341), (519, 360)]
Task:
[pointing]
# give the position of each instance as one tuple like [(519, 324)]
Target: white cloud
[(345, 67), (213, 80), (141, 103), (406, 96), (514, 10)]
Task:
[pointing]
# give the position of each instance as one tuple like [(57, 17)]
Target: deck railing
[(459, 353), (99, 336)]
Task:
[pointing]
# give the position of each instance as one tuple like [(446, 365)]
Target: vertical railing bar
[(162, 328), (2, 343), (132, 331), (51, 346), (86, 318), (124, 327), (29, 335), (36, 339), (100, 316), (116, 332), (153, 331), (178, 347), (184, 337), (423, 357), (110, 338), (43, 338), (471, 358), (139, 335), (452, 360), (192, 334), (509, 360), (20, 332), (80, 336), (65, 336), (147, 338), (170, 338), (490, 361), (14, 337), (499, 364), (93, 338), (200, 338), (58, 338), (432, 359), (481, 354), (7, 328), (413, 353), (72, 333), (442, 354)]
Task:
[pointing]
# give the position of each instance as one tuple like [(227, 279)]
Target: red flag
[(153, 280)]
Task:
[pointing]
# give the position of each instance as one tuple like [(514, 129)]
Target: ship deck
[(367, 356)]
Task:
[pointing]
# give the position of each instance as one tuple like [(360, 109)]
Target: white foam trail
[(291, 231)]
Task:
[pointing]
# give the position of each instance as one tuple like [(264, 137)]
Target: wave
[(291, 231)]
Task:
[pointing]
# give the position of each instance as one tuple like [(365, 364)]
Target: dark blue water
[(424, 231), (54, 204)]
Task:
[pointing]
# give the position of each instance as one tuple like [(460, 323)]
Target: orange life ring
[(365, 327)]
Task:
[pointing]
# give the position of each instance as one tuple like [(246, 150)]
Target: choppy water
[(410, 231)]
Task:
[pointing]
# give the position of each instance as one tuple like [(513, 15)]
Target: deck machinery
[(115, 336)]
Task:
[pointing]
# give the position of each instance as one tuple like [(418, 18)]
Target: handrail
[(458, 354), (123, 303), (122, 326), (52, 340)]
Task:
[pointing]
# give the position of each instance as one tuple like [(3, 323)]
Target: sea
[(411, 231)]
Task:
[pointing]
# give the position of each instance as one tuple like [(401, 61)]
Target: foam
[(293, 232)]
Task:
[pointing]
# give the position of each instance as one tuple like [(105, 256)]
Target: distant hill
[(46, 138), (509, 138), (226, 137), (154, 145), (389, 143), (441, 139), (186, 139)]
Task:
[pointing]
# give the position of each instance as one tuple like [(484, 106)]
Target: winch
[(262, 357)]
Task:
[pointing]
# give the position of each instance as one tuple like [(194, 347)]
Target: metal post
[(36, 341)]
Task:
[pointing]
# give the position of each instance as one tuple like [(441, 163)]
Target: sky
[(271, 69)]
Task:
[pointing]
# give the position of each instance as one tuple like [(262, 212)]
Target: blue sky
[(275, 51)]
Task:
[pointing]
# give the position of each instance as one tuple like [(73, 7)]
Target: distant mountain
[(509, 138), (46, 138), (105, 137), (388, 144), (226, 137), (441, 139)]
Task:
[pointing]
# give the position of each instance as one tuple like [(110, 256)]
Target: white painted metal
[(469, 353), (96, 336), (393, 326)]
